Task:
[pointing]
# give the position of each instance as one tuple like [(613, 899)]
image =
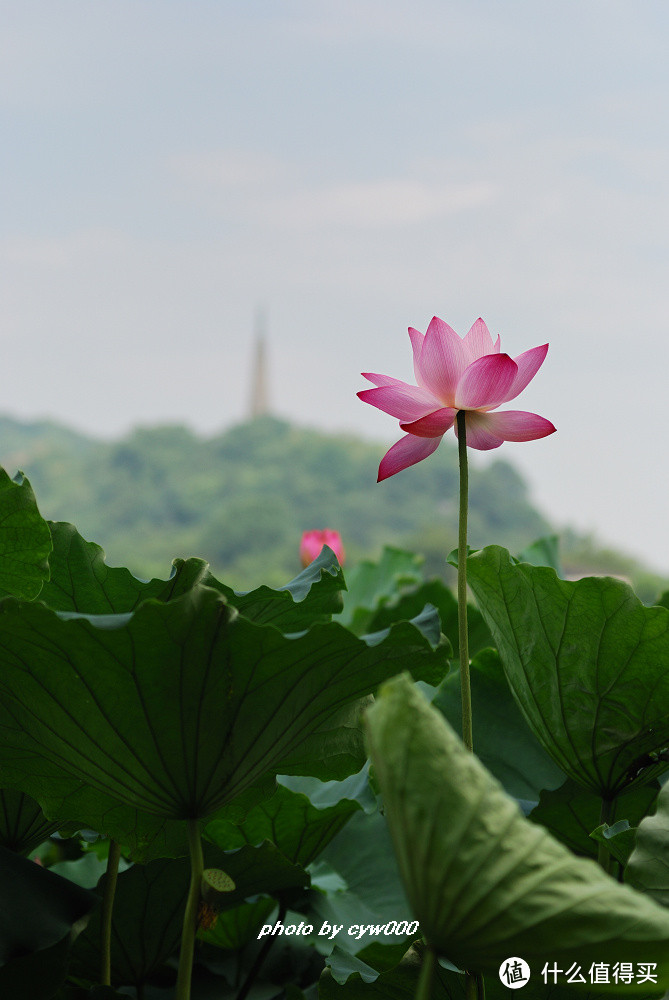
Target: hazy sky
[(356, 167)]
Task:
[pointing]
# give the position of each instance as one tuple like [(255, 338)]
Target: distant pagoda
[(259, 398)]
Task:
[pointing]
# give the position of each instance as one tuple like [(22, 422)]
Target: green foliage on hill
[(241, 499)]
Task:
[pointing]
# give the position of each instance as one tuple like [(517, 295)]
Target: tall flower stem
[(190, 916), (474, 985), (111, 875), (463, 634)]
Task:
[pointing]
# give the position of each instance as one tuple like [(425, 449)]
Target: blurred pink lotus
[(456, 373), (313, 541)]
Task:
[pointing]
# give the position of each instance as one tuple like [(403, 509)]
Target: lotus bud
[(313, 542)]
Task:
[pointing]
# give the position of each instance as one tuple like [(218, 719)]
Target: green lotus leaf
[(179, 707), (314, 596), (587, 664), (484, 882), (81, 581), (25, 540)]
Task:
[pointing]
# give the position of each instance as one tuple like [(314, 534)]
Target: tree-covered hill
[(241, 499)]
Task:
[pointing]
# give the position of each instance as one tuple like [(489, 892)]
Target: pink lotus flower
[(456, 373), (313, 541)]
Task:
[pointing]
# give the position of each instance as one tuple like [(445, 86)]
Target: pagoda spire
[(259, 400)]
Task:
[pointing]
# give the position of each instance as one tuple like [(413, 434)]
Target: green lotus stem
[(603, 854), (424, 989), (190, 916), (474, 988), (463, 635), (109, 891)]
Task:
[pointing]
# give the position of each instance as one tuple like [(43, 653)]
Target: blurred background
[(180, 179)]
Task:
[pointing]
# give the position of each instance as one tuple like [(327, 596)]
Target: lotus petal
[(443, 359), (407, 451), (479, 435), (478, 340), (406, 402), (416, 338), (528, 364), (486, 382), (516, 425), (433, 424)]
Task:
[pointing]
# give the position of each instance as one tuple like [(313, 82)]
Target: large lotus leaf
[(149, 905), (178, 708), (23, 825), (483, 881), (313, 596), (81, 581), (299, 829), (571, 813), (502, 738), (587, 663), (648, 867), (25, 540)]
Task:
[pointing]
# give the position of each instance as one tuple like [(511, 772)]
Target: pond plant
[(206, 793)]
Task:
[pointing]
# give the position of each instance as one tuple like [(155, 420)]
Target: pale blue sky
[(356, 167)]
